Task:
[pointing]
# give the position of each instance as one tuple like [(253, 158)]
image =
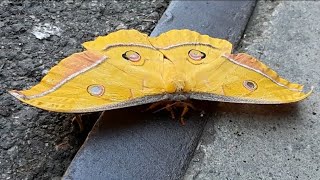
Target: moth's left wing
[(119, 70)]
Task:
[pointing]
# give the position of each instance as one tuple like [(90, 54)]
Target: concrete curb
[(142, 146)]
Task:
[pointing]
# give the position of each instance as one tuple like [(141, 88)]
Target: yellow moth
[(128, 68)]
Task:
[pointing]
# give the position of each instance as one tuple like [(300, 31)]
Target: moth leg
[(156, 104), (169, 108), (184, 111), (189, 105), (186, 107), (78, 119)]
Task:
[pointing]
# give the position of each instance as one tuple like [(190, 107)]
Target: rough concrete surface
[(270, 142), (34, 36)]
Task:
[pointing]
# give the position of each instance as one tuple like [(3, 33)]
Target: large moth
[(128, 68)]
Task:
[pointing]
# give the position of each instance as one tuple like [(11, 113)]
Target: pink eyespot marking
[(196, 55), (131, 56)]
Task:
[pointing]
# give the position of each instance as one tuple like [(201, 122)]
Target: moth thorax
[(179, 85), (175, 84)]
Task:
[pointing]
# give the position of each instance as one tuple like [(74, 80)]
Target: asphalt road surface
[(35, 35)]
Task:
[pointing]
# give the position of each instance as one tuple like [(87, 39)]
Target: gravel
[(36, 35)]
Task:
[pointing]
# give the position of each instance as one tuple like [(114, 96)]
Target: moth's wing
[(250, 81), (221, 76), (101, 78), (180, 69)]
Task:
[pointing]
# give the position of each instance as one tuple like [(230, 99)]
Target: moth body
[(128, 68)]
